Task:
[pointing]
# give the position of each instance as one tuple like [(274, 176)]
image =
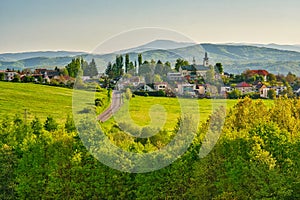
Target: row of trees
[(79, 66), (151, 70), (256, 157)]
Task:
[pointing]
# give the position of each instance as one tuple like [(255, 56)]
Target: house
[(225, 89), (262, 89), (186, 89), (47, 74), (9, 75), (132, 82), (175, 77), (244, 87), (278, 89), (260, 72), (160, 86)]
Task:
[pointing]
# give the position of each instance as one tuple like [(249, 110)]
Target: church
[(195, 70)]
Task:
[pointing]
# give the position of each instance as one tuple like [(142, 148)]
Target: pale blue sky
[(31, 25)]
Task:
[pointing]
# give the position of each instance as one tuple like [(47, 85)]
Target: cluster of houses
[(38, 75), (179, 83)]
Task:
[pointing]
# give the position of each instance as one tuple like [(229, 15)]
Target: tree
[(2, 76), (36, 126), (74, 67), (127, 61), (140, 59), (168, 64), (50, 124), (90, 69), (16, 78), (210, 75), (128, 93), (179, 63), (109, 70), (290, 78), (271, 94), (235, 94), (219, 68), (271, 77), (70, 125), (157, 78)]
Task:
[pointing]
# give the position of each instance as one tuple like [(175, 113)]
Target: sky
[(82, 25)]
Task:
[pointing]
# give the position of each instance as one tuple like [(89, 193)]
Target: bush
[(50, 124), (98, 102), (152, 94)]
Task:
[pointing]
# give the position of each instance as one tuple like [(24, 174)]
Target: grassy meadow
[(42, 101), (164, 112), (39, 101)]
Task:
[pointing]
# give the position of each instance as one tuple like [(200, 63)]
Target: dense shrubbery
[(151, 94), (257, 157)]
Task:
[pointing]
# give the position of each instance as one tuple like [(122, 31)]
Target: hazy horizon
[(28, 26)]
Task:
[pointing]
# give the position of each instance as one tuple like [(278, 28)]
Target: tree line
[(256, 157)]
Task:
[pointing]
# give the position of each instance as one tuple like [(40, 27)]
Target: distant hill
[(48, 54), (272, 45), (155, 45), (235, 58)]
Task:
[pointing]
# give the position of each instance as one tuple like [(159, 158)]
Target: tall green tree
[(140, 59), (127, 62), (180, 63), (219, 68), (74, 67)]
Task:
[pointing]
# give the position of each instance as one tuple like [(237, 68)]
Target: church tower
[(206, 60)]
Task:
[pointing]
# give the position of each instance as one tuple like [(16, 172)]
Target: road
[(114, 107)]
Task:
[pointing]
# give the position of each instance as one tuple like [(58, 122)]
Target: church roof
[(195, 68)]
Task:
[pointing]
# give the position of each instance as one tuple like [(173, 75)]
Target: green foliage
[(89, 69), (16, 78), (235, 94), (74, 67), (128, 94), (70, 125), (271, 94), (2, 76), (36, 126), (140, 59), (179, 63), (219, 68), (50, 124), (256, 157)]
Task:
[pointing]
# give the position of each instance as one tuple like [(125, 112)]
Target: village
[(193, 81)]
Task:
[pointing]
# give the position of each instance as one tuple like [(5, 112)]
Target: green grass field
[(39, 100), (164, 112), (42, 101)]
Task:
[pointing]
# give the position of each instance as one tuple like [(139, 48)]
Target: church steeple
[(206, 60)]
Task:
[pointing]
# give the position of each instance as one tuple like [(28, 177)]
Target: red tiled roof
[(243, 84), (260, 72)]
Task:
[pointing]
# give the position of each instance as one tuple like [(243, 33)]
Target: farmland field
[(144, 111), (39, 101), (42, 101)]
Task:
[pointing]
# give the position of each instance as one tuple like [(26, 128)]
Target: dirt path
[(114, 107)]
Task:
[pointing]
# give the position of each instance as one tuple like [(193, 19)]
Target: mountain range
[(235, 57)]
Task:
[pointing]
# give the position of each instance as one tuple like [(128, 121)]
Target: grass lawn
[(42, 101), (164, 112), (39, 100)]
